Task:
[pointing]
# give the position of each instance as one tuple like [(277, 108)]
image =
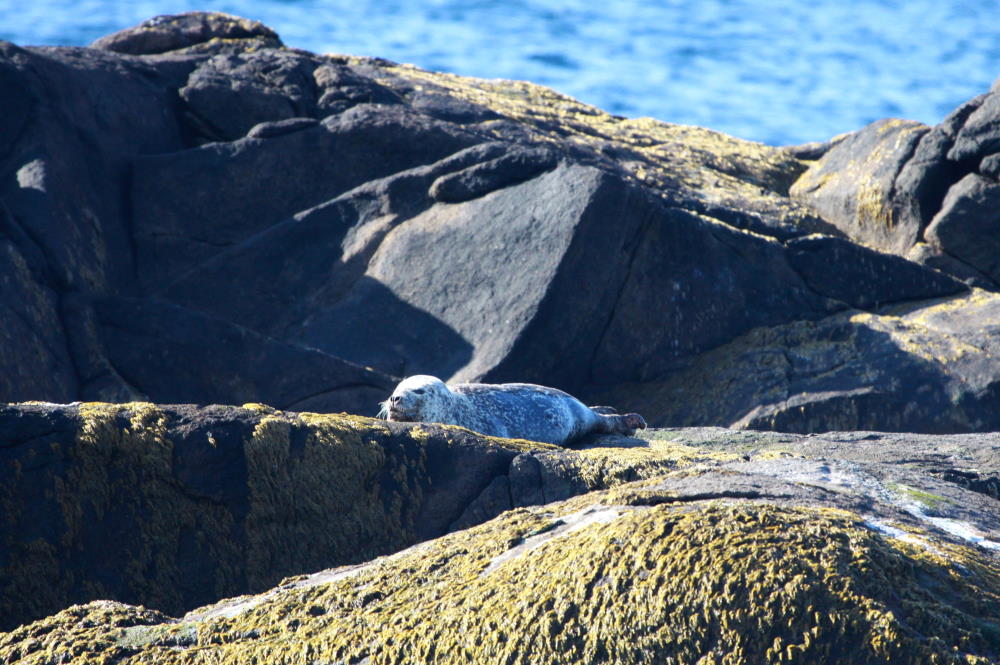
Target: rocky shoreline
[(194, 214), (445, 545)]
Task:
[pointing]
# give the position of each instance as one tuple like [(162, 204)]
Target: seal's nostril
[(394, 400)]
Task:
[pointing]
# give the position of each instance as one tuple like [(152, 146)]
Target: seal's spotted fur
[(513, 410)]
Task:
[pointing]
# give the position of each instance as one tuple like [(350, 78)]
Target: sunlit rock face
[(203, 215)]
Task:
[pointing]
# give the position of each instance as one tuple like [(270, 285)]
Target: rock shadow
[(373, 327)]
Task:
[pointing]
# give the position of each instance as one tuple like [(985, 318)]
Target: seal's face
[(416, 399)]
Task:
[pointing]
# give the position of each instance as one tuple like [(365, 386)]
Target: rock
[(863, 278), (925, 178), (229, 94), (340, 87), (269, 130), (179, 31), (928, 367), (884, 536), (851, 183), (32, 327), (345, 220), (517, 165), (205, 502), (935, 258), (979, 137), (248, 185), (968, 225), (144, 339), (897, 185), (193, 213)]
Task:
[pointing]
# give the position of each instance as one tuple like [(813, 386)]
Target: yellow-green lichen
[(320, 490), (322, 499), (116, 470), (122, 463), (926, 500), (712, 166), (720, 583), (603, 466)]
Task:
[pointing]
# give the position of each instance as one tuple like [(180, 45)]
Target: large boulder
[(175, 507), (202, 215), (929, 367), (925, 193)]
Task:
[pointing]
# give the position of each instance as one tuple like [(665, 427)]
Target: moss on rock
[(593, 580), (174, 507), (177, 506)]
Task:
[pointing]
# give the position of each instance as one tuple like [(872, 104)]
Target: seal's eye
[(418, 391)]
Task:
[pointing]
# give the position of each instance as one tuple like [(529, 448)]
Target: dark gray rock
[(919, 193), (269, 130), (446, 107), (851, 184), (191, 195), (340, 87), (979, 136), (968, 225), (229, 94), (929, 367), (66, 192), (925, 178), (990, 166), (248, 185), (518, 165), (163, 350), (933, 257), (172, 32), (862, 277), (35, 362)]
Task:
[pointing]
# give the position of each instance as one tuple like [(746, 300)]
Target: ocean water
[(778, 71)]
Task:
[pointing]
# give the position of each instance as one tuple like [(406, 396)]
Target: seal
[(511, 410)]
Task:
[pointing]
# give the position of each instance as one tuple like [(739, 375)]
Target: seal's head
[(418, 398)]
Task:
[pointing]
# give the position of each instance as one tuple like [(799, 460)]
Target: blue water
[(781, 71)]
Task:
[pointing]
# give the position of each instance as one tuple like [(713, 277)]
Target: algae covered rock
[(797, 561), (175, 507), (685, 545)]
